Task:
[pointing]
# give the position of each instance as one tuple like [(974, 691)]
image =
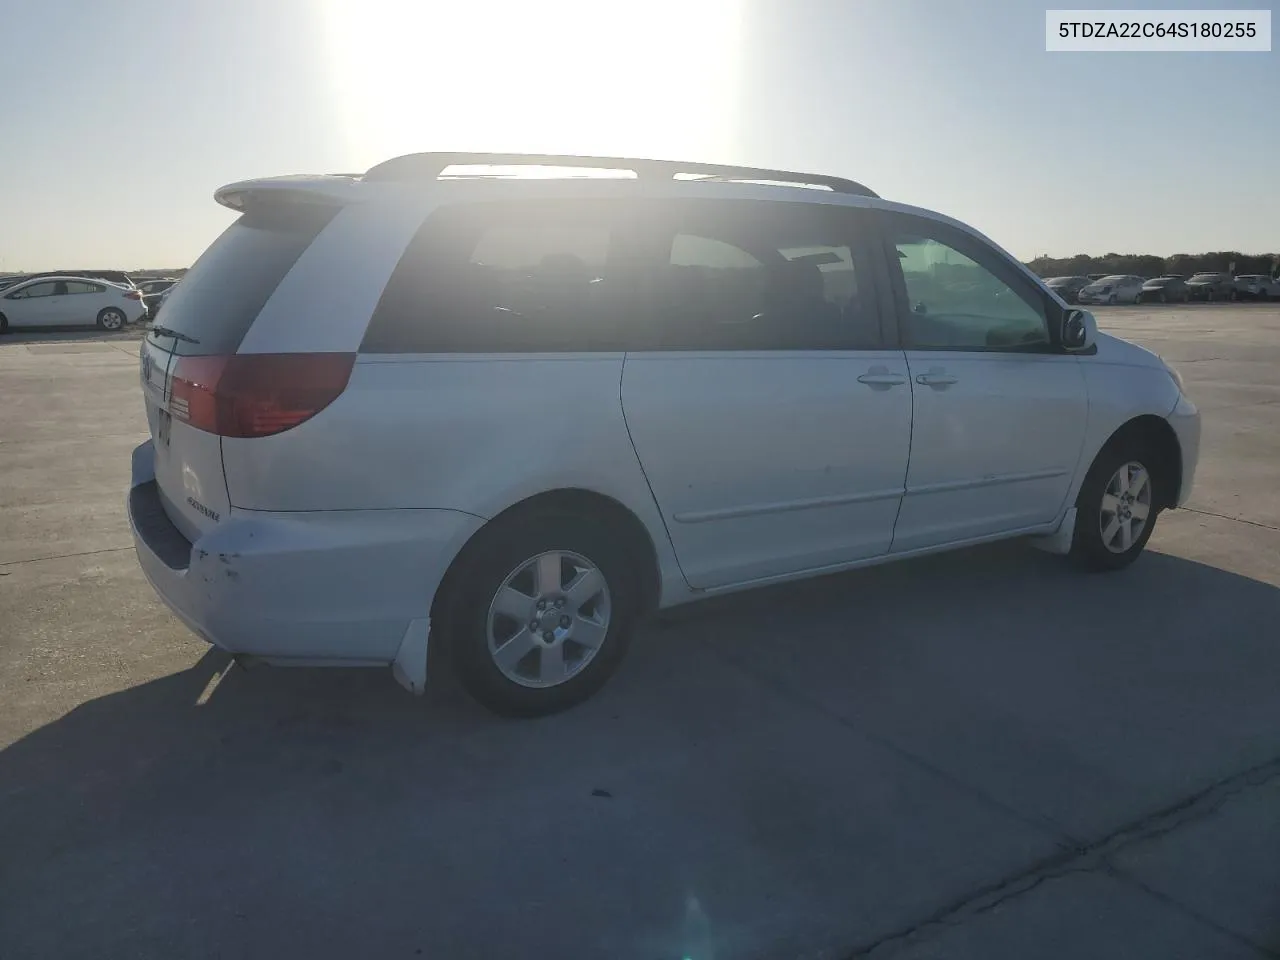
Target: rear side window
[(583, 276), (75, 286), (758, 275), (221, 294), (520, 277)]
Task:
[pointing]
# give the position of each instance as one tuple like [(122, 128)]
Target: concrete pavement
[(984, 754)]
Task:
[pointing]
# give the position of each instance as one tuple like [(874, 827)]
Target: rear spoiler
[(327, 190)]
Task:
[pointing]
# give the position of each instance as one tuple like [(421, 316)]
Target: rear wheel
[(542, 612), (1117, 507), (1112, 299), (110, 318)]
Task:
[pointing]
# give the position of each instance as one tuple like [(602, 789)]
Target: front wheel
[(111, 319), (1116, 509), (543, 611)]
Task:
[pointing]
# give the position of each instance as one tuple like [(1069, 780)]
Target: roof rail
[(429, 166)]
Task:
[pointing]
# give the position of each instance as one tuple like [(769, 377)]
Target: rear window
[(224, 290), (520, 277)]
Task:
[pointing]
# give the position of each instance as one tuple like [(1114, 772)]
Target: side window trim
[(978, 251)]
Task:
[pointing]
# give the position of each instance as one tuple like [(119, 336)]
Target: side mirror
[(1078, 330)]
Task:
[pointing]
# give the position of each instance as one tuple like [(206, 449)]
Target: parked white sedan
[(1113, 289), (69, 301)]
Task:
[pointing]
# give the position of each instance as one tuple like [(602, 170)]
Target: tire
[(1112, 300), (4, 323), (515, 563), (1104, 538), (109, 318), (1164, 298), (1186, 297)]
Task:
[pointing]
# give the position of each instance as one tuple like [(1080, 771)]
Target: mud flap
[(1060, 540), (410, 665)]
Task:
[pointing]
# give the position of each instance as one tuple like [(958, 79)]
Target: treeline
[(1147, 265)]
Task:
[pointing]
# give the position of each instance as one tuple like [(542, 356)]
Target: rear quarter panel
[(469, 433)]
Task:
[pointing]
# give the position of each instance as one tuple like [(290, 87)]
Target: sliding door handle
[(882, 379)]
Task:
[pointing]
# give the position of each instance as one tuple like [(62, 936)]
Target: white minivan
[(511, 403)]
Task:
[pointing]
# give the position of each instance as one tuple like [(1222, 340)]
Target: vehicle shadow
[(149, 817)]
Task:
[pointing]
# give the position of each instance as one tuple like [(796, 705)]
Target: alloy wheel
[(548, 619), (1126, 507)]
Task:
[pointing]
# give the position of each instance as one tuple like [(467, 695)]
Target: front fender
[(1122, 382)]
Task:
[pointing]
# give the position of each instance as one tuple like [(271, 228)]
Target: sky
[(120, 119)]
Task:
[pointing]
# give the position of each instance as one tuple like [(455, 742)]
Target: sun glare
[(654, 79)]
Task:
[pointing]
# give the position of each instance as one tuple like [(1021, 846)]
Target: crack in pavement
[(1090, 857), (63, 556), (1223, 516)]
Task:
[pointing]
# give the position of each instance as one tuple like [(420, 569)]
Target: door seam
[(622, 408)]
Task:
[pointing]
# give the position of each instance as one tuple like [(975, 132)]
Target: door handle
[(882, 379), (936, 378)]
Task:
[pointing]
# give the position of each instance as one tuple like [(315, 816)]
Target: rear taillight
[(256, 394), (132, 295)]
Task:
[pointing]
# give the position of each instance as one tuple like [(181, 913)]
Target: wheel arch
[(1156, 433), (636, 538)]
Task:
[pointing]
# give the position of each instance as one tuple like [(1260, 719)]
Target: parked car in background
[(1096, 276), (153, 292), (69, 301), (1068, 288), (10, 281), (1166, 289), (328, 486), (1211, 286), (118, 277), (1114, 289), (1257, 286), (160, 300)]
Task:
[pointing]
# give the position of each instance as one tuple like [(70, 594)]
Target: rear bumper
[(324, 586), (1185, 421)]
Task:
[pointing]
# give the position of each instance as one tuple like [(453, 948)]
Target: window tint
[(231, 281), (614, 275), (509, 278), (756, 275), (958, 301), (76, 286), (35, 290)]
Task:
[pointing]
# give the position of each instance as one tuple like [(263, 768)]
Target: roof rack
[(429, 166)]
